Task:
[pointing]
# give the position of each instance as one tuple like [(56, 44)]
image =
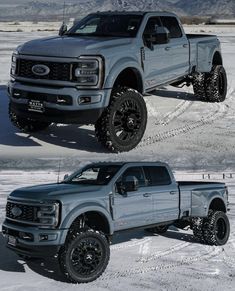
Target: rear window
[(172, 25), (157, 176)]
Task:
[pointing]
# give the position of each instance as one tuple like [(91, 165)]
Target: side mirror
[(63, 29), (66, 177), (131, 184), (162, 35)]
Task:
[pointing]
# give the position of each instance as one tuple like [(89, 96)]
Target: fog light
[(43, 237), (89, 100), (84, 100), (47, 237)]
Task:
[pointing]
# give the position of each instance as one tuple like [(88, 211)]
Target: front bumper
[(59, 113), (34, 247)]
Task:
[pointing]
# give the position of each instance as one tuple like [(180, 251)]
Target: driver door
[(157, 59), (132, 209)]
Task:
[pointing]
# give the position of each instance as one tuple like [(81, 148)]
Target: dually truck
[(98, 71), (74, 220)]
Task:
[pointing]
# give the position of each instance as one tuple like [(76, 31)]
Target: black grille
[(58, 71), (28, 212)]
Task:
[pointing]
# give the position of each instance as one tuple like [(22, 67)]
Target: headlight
[(87, 72), (14, 62), (48, 215)]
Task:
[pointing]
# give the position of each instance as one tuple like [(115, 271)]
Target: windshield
[(95, 175), (107, 25)]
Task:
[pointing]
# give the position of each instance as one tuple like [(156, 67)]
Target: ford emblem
[(16, 211), (40, 70)]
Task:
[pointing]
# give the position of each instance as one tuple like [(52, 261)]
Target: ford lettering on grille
[(40, 70)]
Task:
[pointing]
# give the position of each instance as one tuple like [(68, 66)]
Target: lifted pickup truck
[(75, 219), (98, 71)]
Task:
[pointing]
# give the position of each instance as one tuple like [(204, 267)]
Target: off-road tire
[(26, 124), (158, 229), (122, 124), (199, 86), (85, 245), (216, 88), (216, 228), (197, 227)]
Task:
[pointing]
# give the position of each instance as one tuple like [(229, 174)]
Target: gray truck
[(98, 71), (75, 219)]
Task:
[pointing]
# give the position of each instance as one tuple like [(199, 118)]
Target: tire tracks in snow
[(178, 110), (161, 254), (210, 253), (126, 245), (220, 111)]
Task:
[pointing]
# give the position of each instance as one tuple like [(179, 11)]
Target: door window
[(157, 176), (172, 25)]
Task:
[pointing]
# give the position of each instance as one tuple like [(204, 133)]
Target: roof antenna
[(63, 28), (64, 13), (58, 174)]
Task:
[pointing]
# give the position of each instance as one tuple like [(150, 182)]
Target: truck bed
[(192, 35), (196, 183)]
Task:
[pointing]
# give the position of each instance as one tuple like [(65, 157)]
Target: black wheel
[(158, 229), (122, 125), (216, 84), (199, 86), (197, 227), (216, 229), (85, 256), (26, 124)]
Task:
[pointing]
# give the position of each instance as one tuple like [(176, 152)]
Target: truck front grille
[(21, 212), (58, 71)]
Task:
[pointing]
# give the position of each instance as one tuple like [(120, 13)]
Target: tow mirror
[(63, 29), (162, 35), (131, 184)]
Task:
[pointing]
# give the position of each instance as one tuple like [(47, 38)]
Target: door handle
[(147, 194), (185, 45), (173, 192), (167, 48)]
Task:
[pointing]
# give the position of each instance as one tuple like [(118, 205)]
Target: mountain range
[(53, 9)]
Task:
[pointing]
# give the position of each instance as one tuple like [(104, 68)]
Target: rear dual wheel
[(211, 87), (212, 230)]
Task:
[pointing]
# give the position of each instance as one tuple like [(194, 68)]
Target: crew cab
[(98, 71), (76, 218)]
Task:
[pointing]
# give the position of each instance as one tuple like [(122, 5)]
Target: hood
[(70, 46), (52, 191)]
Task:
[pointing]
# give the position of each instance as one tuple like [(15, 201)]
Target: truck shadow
[(67, 136), (9, 261), (49, 268)]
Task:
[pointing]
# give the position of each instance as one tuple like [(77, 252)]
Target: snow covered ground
[(185, 132), (181, 130), (139, 260)]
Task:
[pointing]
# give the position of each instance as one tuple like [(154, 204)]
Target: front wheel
[(85, 256), (216, 228), (122, 124)]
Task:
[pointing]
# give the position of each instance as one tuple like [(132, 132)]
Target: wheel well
[(218, 205), (217, 59), (92, 219), (131, 78)]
